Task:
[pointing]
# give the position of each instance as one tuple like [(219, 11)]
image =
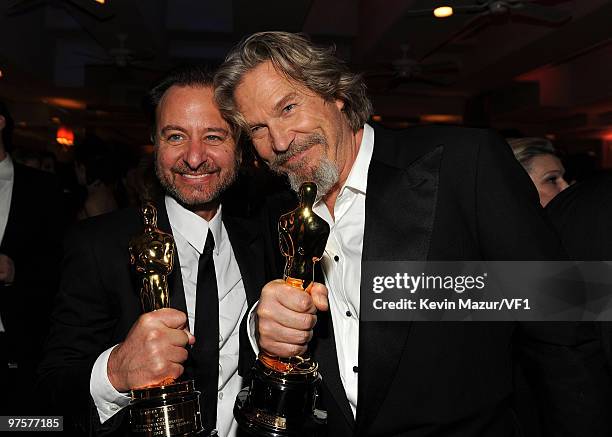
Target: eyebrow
[(283, 102), (208, 129)]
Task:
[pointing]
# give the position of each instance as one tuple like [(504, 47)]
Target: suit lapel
[(400, 210), (247, 245)]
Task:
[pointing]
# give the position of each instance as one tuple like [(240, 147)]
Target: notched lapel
[(247, 244), (400, 211)]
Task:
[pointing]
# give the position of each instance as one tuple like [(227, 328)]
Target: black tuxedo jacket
[(582, 215), (98, 303), (443, 193), (32, 239)]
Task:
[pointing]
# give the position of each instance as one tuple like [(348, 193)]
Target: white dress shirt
[(7, 177), (190, 231), (342, 265)]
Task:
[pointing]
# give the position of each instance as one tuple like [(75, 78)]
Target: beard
[(194, 195), (324, 173)]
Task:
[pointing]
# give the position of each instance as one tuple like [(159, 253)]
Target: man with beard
[(428, 193), (101, 345)]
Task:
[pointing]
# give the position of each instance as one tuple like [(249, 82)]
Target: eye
[(214, 138), (289, 107), (175, 138), (257, 131)]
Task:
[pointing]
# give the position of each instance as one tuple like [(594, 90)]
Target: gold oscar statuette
[(170, 408), (281, 399)]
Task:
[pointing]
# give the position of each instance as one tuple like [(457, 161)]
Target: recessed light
[(443, 12)]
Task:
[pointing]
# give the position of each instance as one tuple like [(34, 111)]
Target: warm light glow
[(441, 118), (443, 12), (65, 136), (376, 118), (65, 103), (1, 74), (101, 1), (608, 136)]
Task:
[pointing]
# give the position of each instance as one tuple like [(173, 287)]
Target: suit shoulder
[(434, 135), (402, 147), (120, 224)]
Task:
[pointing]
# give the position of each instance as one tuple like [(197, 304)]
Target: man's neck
[(351, 148), (207, 211)]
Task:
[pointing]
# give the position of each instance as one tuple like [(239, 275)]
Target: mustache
[(205, 167), (295, 149)]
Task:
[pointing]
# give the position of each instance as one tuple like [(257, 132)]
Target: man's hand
[(286, 316), (152, 352), (7, 269)]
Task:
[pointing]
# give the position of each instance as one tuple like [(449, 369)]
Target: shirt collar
[(7, 171), (193, 227), (358, 177)]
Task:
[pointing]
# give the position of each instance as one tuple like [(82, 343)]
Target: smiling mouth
[(195, 177)]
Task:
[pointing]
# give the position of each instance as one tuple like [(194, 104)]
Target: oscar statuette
[(171, 408), (281, 399)]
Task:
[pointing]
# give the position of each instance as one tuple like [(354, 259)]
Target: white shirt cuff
[(107, 399), (252, 329)]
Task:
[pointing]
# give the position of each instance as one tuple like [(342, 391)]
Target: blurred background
[(71, 70)]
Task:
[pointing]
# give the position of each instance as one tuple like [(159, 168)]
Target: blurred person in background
[(97, 173), (30, 235), (539, 158)]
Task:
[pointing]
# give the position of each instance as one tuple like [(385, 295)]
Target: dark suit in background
[(98, 304), (32, 239), (582, 215), (441, 193)]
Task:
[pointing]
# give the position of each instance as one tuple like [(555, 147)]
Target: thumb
[(191, 340), (319, 296)]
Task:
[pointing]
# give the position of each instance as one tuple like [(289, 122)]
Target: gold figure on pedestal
[(281, 400), (169, 408)]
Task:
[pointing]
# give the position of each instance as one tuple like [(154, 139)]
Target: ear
[(339, 104)]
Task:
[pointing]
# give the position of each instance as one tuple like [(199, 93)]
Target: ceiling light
[(443, 11), (101, 1)]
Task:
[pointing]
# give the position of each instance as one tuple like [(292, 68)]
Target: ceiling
[(88, 65)]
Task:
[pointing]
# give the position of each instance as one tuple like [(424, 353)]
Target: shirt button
[(355, 369), (220, 395), (348, 314), (114, 407), (336, 258)]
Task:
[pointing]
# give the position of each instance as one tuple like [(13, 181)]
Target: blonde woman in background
[(539, 158)]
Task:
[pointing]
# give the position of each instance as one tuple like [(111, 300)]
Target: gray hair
[(525, 149), (293, 55)]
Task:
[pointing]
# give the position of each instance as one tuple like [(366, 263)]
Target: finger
[(283, 350), (275, 312), (318, 293), (295, 299), (190, 336), (278, 333), (170, 317), (177, 354), (176, 337), (290, 297)]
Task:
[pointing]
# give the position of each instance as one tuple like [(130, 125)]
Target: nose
[(281, 137), (196, 153)]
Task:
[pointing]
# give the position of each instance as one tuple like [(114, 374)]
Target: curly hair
[(298, 59)]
